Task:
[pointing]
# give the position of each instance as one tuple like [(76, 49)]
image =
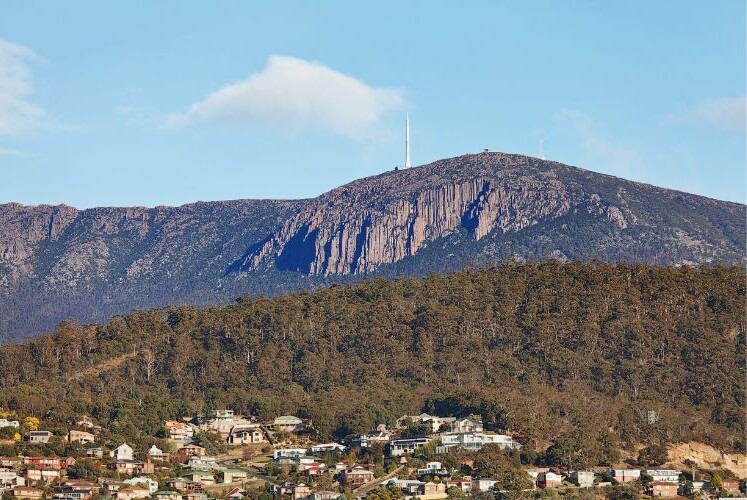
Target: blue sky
[(164, 103)]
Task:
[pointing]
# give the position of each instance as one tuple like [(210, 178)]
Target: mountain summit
[(57, 261)]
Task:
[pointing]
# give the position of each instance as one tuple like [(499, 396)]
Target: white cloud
[(11, 152), (619, 160), (727, 114), (295, 95), (17, 113)]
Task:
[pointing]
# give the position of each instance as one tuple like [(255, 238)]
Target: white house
[(288, 453), (401, 446), (583, 478), (379, 436), (123, 452), (474, 441), (4, 422), (157, 454), (432, 468), (322, 448), (150, 483), (202, 462), (486, 483), (664, 475), (10, 479), (222, 414), (626, 475)]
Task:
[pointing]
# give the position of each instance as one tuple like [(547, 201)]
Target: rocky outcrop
[(336, 235), (23, 227)]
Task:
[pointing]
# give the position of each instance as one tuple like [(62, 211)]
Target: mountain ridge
[(57, 261)]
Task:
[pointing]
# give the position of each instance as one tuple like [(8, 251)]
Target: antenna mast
[(542, 147), (407, 141)]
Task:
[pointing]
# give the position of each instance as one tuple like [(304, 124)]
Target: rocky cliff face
[(58, 262), (381, 220), (343, 232)]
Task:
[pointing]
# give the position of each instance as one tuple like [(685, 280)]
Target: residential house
[(326, 495), (27, 492), (202, 477), (232, 475), (365, 440), (95, 452), (10, 462), (80, 437), (406, 446), (4, 422), (195, 496), (327, 447), (474, 441), (435, 424), (172, 495), (294, 490), (155, 453), (288, 423), (731, 487), (314, 468), (662, 489), (583, 478), (131, 467), (223, 414), (693, 487), (185, 452), (10, 479), (549, 479), (39, 436), (42, 475), (77, 489), (184, 486), (242, 434), (110, 486), (178, 431), (357, 476), (408, 486), (434, 490), (663, 475), (202, 462), (41, 462), (86, 422), (432, 468), (122, 452), (485, 483), (626, 475), (133, 492), (152, 484), (462, 483), (235, 494), (468, 424), (288, 453)]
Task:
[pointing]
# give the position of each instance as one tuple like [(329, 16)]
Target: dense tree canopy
[(573, 354)]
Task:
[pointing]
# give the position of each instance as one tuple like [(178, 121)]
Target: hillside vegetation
[(572, 354)]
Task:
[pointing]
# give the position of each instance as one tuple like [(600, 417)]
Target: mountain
[(58, 262)]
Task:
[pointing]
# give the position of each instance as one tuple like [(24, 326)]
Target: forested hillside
[(574, 353)]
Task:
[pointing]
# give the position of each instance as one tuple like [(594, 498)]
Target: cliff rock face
[(59, 262), (339, 234)]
